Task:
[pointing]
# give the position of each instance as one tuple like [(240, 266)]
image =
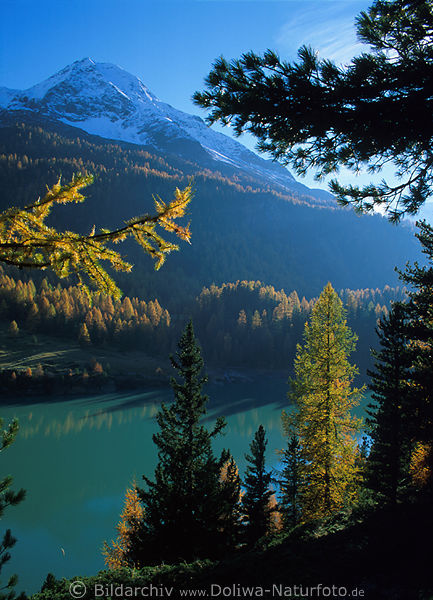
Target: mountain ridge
[(240, 230), (245, 224), (105, 100)]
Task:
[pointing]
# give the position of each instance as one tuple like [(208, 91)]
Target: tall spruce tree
[(420, 333), (322, 389), (291, 483), (256, 500), (186, 503), (390, 418)]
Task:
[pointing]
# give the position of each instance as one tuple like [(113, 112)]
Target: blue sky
[(169, 44)]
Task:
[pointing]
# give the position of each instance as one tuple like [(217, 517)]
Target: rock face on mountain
[(105, 100)]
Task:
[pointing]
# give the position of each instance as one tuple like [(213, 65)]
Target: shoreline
[(62, 386)]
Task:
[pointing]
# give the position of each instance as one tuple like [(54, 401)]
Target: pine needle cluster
[(316, 114)]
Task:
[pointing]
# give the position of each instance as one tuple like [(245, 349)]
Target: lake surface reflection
[(76, 458)]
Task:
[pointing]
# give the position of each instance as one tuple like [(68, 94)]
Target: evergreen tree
[(390, 418), (323, 421), (8, 498), (256, 500), (316, 114), (231, 517), (291, 483), (420, 334), (186, 502)]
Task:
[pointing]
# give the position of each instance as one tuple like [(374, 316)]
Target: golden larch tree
[(322, 389), (116, 553)]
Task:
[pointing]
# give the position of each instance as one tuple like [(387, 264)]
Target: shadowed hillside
[(240, 228)]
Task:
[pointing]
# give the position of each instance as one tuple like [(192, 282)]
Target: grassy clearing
[(58, 355)]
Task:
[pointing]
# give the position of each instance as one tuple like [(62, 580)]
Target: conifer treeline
[(240, 228), (250, 323), (242, 324), (33, 158), (70, 312)]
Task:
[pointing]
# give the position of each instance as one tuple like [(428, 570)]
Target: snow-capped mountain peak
[(94, 77), (105, 100)]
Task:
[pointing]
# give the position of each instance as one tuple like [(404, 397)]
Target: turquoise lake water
[(76, 458)]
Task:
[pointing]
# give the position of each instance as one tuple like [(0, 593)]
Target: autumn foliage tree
[(322, 420), (420, 468), (119, 553), (27, 241), (13, 329)]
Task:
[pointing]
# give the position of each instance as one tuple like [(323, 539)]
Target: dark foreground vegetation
[(342, 513), (366, 552)]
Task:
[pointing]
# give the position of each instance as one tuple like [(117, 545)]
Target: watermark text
[(78, 591)]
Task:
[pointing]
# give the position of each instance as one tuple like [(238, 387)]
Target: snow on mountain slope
[(6, 95), (105, 100)]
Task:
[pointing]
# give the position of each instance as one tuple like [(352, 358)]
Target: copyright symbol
[(77, 589)]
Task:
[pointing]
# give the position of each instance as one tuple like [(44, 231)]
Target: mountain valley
[(250, 219)]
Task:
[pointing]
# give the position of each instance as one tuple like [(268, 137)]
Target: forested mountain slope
[(241, 228)]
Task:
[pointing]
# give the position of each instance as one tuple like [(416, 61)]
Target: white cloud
[(328, 27)]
